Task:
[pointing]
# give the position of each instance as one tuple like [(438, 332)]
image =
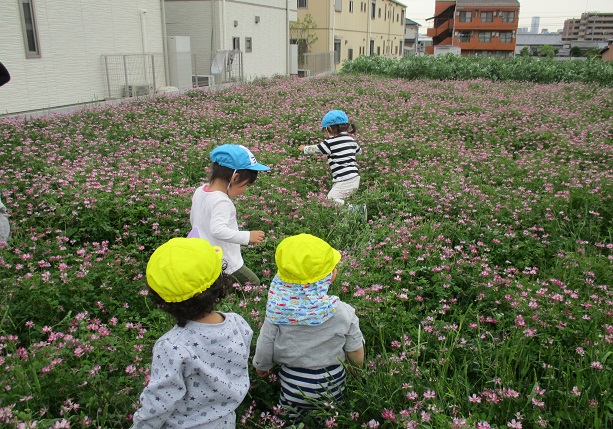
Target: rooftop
[(487, 2)]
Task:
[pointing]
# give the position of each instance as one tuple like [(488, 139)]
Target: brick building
[(477, 27)]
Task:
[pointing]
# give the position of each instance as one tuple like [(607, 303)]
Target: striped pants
[(307, 389)]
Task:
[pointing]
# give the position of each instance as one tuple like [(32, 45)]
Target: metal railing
[(321, 62), (132, 75), (227, 66)]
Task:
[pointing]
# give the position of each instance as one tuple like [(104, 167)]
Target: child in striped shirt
[(341, 149), (308, 332)]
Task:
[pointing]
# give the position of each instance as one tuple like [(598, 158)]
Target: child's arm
[(356, 357), (263, 358), (166, 387), (310, 149), (220, 229)]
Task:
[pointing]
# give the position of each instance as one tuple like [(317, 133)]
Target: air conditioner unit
[(138, 90), (203, 80), (304, 73)]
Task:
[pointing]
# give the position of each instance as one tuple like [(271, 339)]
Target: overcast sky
[(552, 12)]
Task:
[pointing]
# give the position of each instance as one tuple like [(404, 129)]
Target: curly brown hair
[(197, 306)]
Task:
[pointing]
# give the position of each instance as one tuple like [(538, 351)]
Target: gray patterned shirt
[(199, 376)]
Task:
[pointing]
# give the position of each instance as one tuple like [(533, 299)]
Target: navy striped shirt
[(341, 151)]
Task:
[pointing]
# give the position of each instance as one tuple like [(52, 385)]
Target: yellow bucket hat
[(183, 267), (304, 258)]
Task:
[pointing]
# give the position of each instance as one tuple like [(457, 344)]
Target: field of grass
[(483, 276)]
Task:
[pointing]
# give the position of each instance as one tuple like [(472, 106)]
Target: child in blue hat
[(213, 215), (341, 149)]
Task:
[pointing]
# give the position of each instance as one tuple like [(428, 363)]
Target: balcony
[(446, 25)]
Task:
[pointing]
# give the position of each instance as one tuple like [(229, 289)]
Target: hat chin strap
[(231, 177)]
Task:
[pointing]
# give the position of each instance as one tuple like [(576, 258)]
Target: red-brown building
[(477, 27)]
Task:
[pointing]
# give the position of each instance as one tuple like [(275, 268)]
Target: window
[(485, 36), (466, 16), (28, 26), (236, 43), (379, 12), (350, 54), (337, 51), (378, 50), (372, 48), (248, 43), (508, 16), (464, 37), (487, 16), (373, 9), (338, 5), (506, 36), (351, 6), (302, 4)]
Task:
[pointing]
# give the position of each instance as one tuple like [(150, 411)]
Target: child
[(199, 373), (213, 215), (341, 149), (307, 331), (5, 227)]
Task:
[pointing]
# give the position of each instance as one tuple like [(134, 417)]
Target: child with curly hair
[(199, 374)]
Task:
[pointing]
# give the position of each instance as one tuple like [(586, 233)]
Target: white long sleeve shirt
[(214, 215)]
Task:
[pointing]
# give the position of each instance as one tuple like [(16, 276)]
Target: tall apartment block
[(592, 26), (478, 27)]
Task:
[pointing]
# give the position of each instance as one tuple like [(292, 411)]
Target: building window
[(236, 43), (338, 5), (506, 36), (464, 37), (337, 51), (302, 4), (373, 9), (508, 16), (350, 54), (485, 36), (487, 16), (248, 43), (372, 48), (379, 12), (378, 50), (466, 16), (28, 26), (351, 6)]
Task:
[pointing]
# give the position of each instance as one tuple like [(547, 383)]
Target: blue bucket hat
[(334, 117), (237, 157)]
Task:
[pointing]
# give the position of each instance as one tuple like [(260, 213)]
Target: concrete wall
[(211, 26), (73, 37)]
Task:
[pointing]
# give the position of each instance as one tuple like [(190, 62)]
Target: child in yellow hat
[(308, 332), (199, 374)]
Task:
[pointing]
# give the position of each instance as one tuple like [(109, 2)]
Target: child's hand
[(262, 373), (301, 148), (256, 236)]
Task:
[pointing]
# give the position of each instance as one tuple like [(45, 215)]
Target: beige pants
[(341, 190)]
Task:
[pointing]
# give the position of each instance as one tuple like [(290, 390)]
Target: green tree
[(593, 53), (525, 52), (303, 32), (575, 51), (547, 51)]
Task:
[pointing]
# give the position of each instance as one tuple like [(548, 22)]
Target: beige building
[(350, 28), (592, 26)]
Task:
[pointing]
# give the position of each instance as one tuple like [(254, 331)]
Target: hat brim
[(258, 167)]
